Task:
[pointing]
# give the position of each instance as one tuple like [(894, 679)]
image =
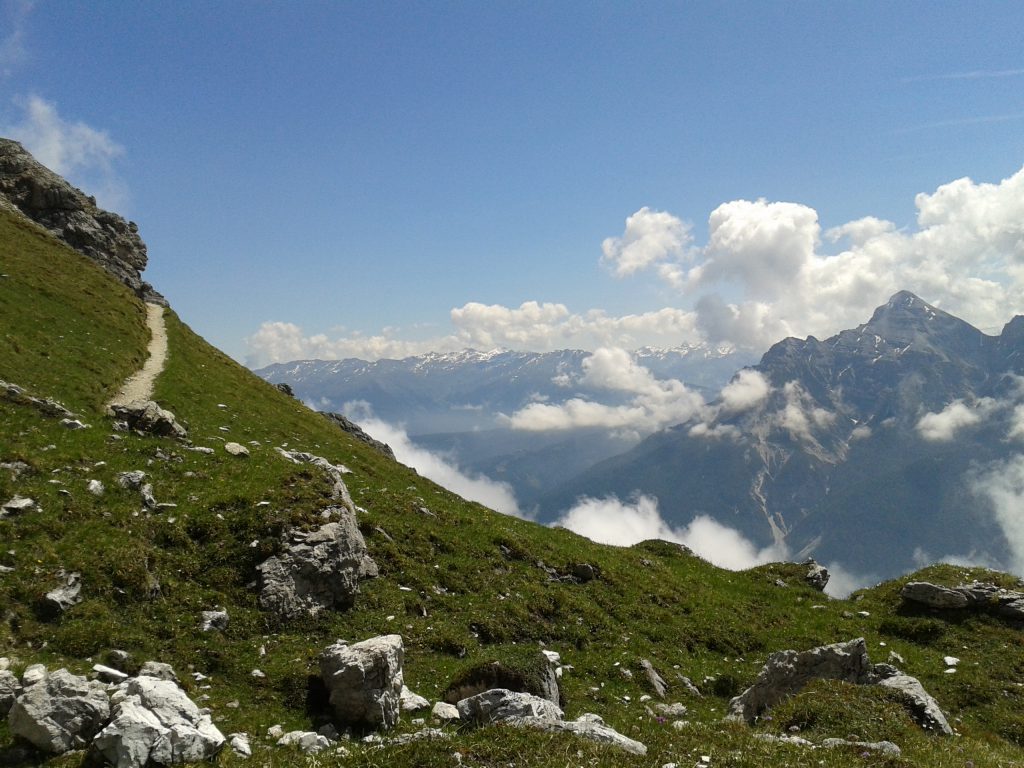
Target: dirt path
[(139, 385)]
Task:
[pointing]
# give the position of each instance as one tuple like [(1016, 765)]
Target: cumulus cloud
[(966, 256), (651, 238), (491, 493), (611, 521), (654, 403), (943, 426), (1002, 484), (72, 149), (842, 582)]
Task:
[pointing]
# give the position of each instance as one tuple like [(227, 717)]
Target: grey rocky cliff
[(69, 214)]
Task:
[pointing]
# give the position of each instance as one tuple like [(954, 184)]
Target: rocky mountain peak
[(39, 194), (907, 320)]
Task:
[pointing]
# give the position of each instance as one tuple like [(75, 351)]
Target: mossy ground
[(460, 583)]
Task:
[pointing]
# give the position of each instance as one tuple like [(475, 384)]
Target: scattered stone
[(329, 731), (16, 468), (60, 713), (924, 709), (148, 416), (671, 710), (239, 743), (214, 621), (73, 424), (148, 499), (445, 712), (17, 505), (410, 702), (657, 682), (154, 721), (365, 680), (236, 449), (307, 742), (67, 595), (317, 570), (131, 480), (275, 732), (95, 487), (584, 572), (817, 575), (501, 704), (159, 670), (688, 685), (199, 449), (109, 674), (34, 673)]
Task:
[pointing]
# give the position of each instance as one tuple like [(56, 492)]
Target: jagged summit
[(39, 194), (907, 319)]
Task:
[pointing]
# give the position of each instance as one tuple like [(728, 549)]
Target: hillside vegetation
[(460, 583)]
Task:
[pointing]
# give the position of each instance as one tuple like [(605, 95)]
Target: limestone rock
[(51, 202), (934, 596), (365, 680), (882, 747), (236, 449), (410, 701), (445, 712), (336, 472), (214, 621), (107, 674), (317, 570), (356, 431), (502, 704), (239, 743), (95, 487), (786, 672), (131, 480), (817, 575), (34, 673), (657, 682), (308, 742), (16, 505), (155, 722), (148, 416), (159, 670), (66, 595), (924, 709), (60, 713), (587, 729), (9, 690)]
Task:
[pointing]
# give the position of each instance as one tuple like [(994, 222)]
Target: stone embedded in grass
[(500, 704), (410, 701), (216, 620), (65, 596), (236, 449), (148, 416), (365, 680), (18, 504), (9, 690)]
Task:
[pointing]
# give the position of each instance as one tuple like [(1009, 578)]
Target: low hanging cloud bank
[(491, 493), (611, 521)]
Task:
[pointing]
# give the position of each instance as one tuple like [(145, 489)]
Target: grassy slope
[(473, 588)]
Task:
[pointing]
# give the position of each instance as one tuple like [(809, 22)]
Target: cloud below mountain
[(491, 493), (611, 521)]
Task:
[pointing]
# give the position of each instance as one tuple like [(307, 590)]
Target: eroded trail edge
[(139, 386)]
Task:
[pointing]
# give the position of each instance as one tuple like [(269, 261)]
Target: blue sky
[(326, 179)]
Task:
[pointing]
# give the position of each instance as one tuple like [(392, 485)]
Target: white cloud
[(747, 389), (650, 238), (966, 256), (74, 150), (491, 493), (842, 582), (943, 426), (1002, 484), (610, 521), (655, 403)]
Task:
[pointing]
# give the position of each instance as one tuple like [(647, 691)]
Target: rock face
[(44, 197), (148, 416), (60, 713), (155, 722), (316, 571), (787, 672), (365, 680)]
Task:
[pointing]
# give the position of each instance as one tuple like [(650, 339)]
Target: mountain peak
[(907, 319)]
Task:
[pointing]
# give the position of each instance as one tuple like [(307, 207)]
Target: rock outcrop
[(148, 416), (787, 672), (155, 722), (9, 690), (70, 215), (346, 425), (976, 596), (316, 571), (60, 712), (365, 680)]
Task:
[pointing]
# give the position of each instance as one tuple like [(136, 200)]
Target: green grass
[(461, 586)]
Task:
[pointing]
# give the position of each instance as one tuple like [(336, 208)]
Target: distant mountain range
[(895, 442), (462, 391)]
